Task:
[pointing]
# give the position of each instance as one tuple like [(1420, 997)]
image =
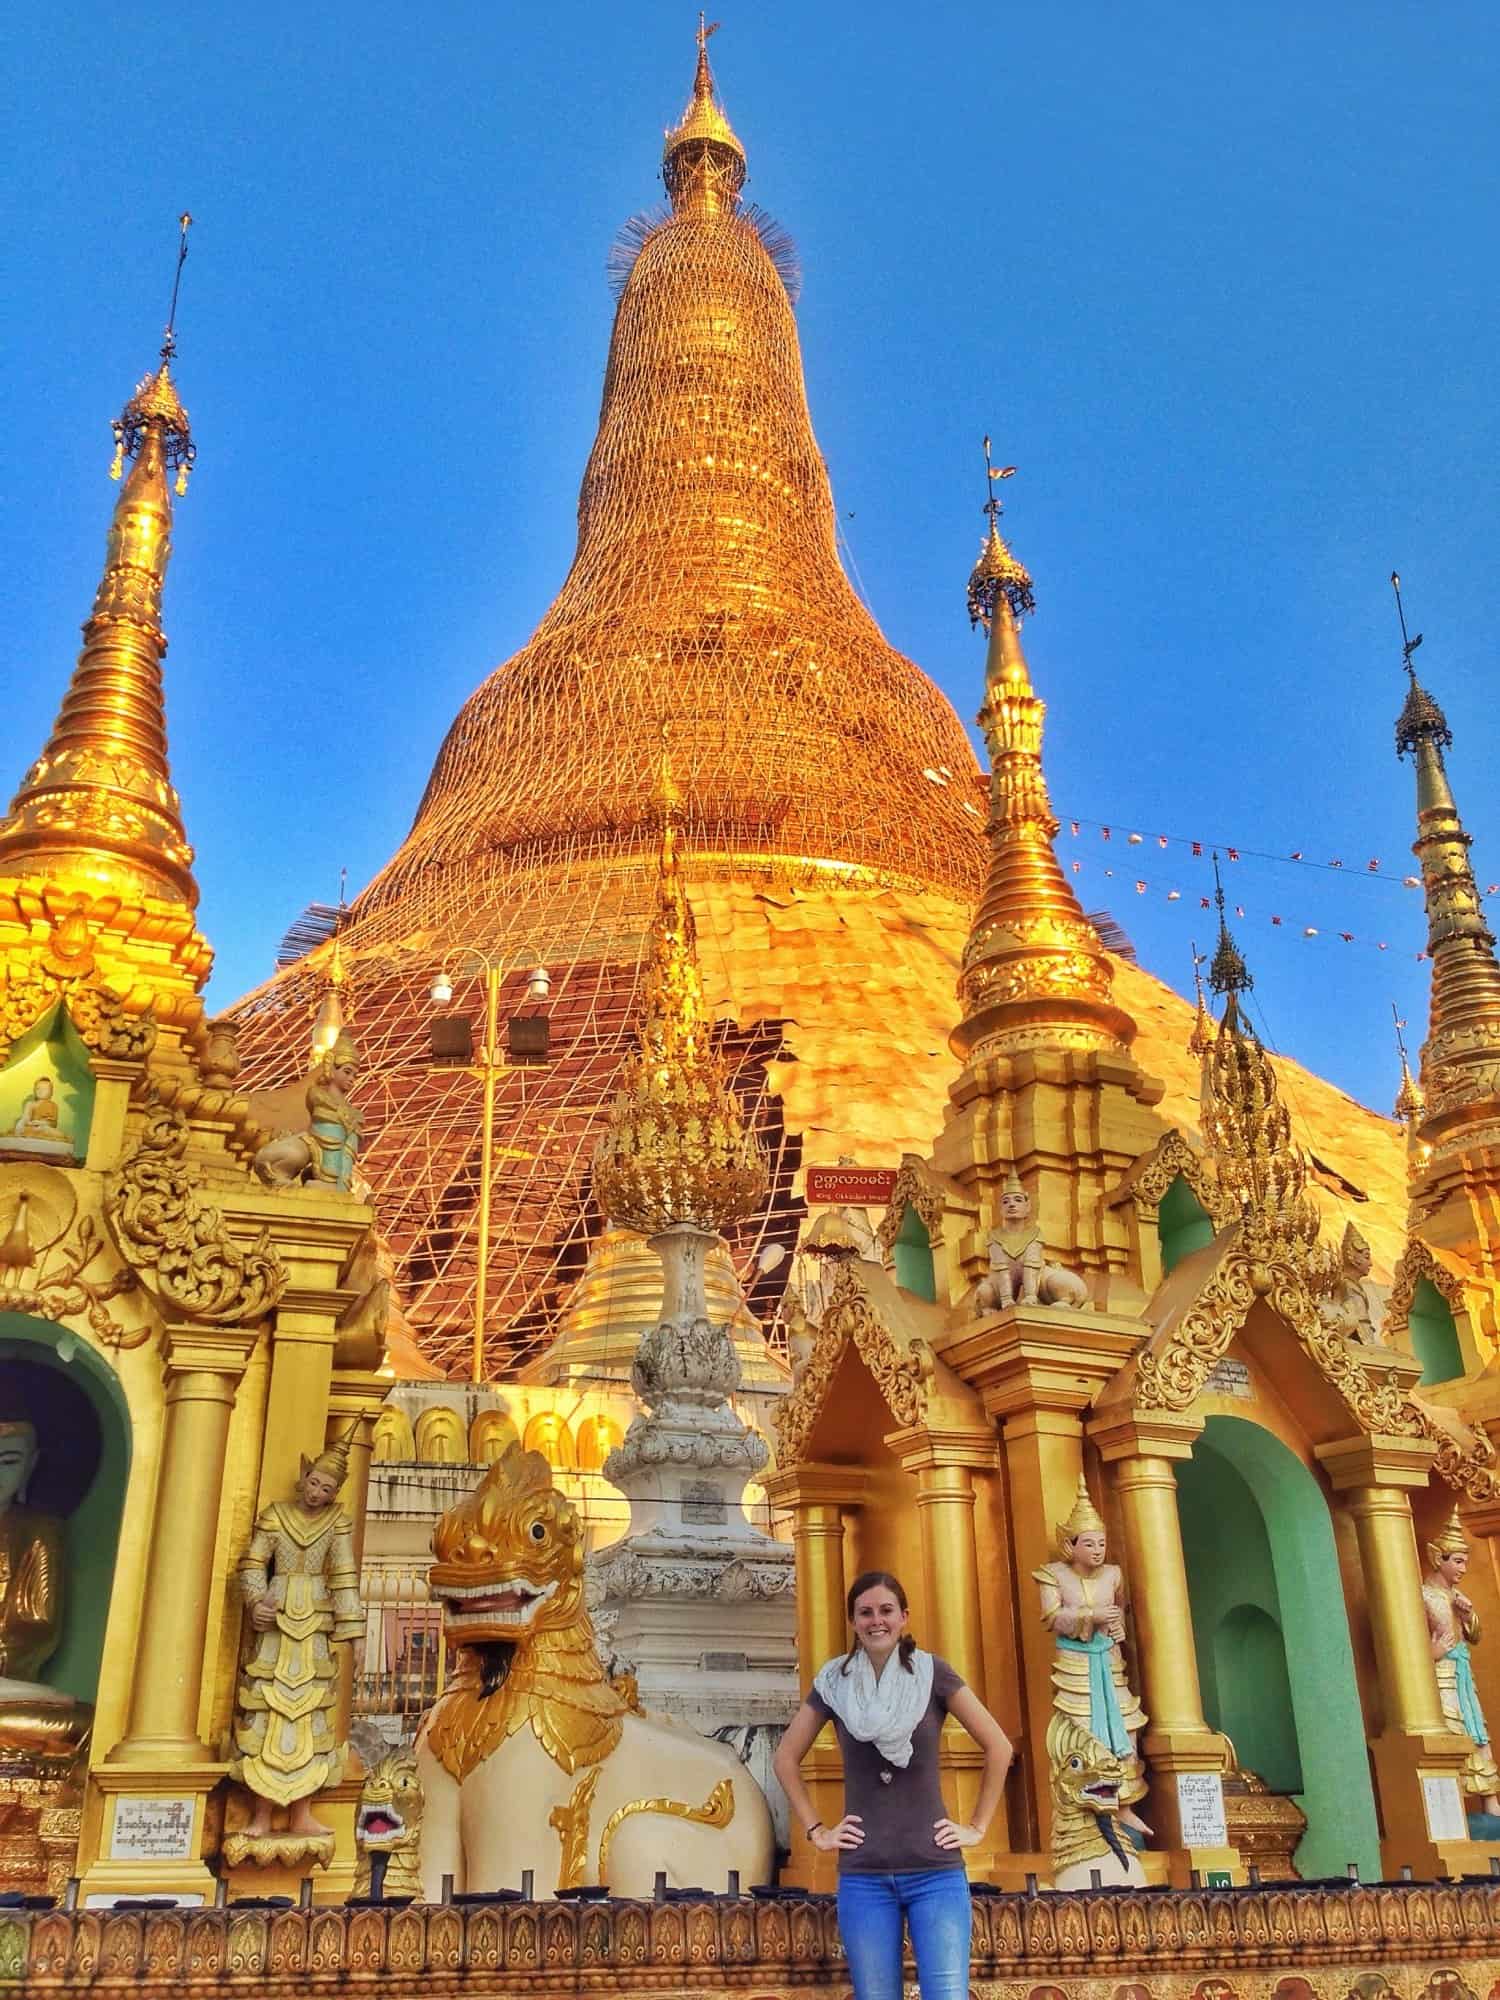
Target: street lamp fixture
[(491, 1063)]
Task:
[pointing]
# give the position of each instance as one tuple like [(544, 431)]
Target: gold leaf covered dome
[(705, 595)]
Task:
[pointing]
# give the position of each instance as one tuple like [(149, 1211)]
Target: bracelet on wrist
[(811, 1830)]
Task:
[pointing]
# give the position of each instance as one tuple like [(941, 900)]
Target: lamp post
[(538, 986)]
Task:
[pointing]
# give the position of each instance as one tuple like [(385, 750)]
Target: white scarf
[(881, 1711)]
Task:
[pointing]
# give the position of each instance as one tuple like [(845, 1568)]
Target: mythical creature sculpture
[(1082, 1608), (1453, 1627), (389, 1818), (1019, 1273), (1086, 1781), (1345, 1304), (300, 1582), (325, 1151), (610, 1795)]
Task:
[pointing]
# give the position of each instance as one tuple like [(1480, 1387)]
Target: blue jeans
[(935, 1905)]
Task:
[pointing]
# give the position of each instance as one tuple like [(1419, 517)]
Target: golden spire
[(1261, 1173), (675, 1148), (1034, 972), (706, 592), (1457, 1065), (97, 810), (703, 163), (1201, 1040), (1410, 1103)]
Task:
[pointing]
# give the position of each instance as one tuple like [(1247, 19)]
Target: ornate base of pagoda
[(41, 1815)]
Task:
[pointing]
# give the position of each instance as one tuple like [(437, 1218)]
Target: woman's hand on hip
[(848, 1833), (955, 1833)]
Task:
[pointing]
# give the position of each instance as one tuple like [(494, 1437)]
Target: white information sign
[(1200, 1803), (152, 1829), (1446, 1818), (1230, 1377)]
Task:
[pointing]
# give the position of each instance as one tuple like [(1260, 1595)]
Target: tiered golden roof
[(97, 811), (1034, 970)]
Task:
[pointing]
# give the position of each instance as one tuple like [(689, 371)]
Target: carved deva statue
[(1019, 1274), (606, 1793), (325, 1151), (36, 1721), (1345, 1304), (1453, 1626), (1082, 1607), (299, 1581)]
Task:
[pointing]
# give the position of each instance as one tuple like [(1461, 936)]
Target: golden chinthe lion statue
[(1086, 1837), (532, 1757)]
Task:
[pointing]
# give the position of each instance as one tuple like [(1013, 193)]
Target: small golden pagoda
[(172, 1333), (1080, 1295)]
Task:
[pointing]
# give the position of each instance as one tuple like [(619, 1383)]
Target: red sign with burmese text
[(854, 1187)]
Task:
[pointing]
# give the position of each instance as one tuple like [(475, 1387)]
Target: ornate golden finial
[(1085, 1519), (703, 163), (1259, 1168), (1034, 972), (97, 809), (1457, 1068), (997, 570), (1410, 1103), (1201, 1040), (675, 1148), (1228, 974)]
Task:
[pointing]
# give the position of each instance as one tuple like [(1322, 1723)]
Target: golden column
[(944, 1463), (1417, 1761), (203, 1368), (819, 1496), (1140, 1447)]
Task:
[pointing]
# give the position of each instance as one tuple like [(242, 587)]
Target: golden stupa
[(832, 831)]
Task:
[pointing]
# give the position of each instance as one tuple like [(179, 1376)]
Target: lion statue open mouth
[(388, 1819), (532, 1757), (1086, 1782)]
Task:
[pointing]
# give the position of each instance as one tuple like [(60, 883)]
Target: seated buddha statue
[(35, 1720), (40, 1124)]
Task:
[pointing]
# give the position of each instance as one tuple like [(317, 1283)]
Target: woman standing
[(900, 1855)]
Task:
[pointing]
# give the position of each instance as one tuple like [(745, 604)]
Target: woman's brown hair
[(875, 1579)]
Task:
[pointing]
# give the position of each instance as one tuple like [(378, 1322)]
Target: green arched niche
[(1182, 1224), (1272, 1635), (99, 1464), (1433, 1334), (912, 1252), (51, 1048)]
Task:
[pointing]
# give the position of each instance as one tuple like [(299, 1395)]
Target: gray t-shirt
[(897, 1807)]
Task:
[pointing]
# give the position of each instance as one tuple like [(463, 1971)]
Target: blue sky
[(1222, 282)]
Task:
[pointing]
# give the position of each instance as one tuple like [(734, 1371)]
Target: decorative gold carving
[(571, 1825), (279, 1850), (716, 1810), (177, 1240), (1417, 1262), (912, 1190), (1170, 1159), (44, 1260), (901, 1377)]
